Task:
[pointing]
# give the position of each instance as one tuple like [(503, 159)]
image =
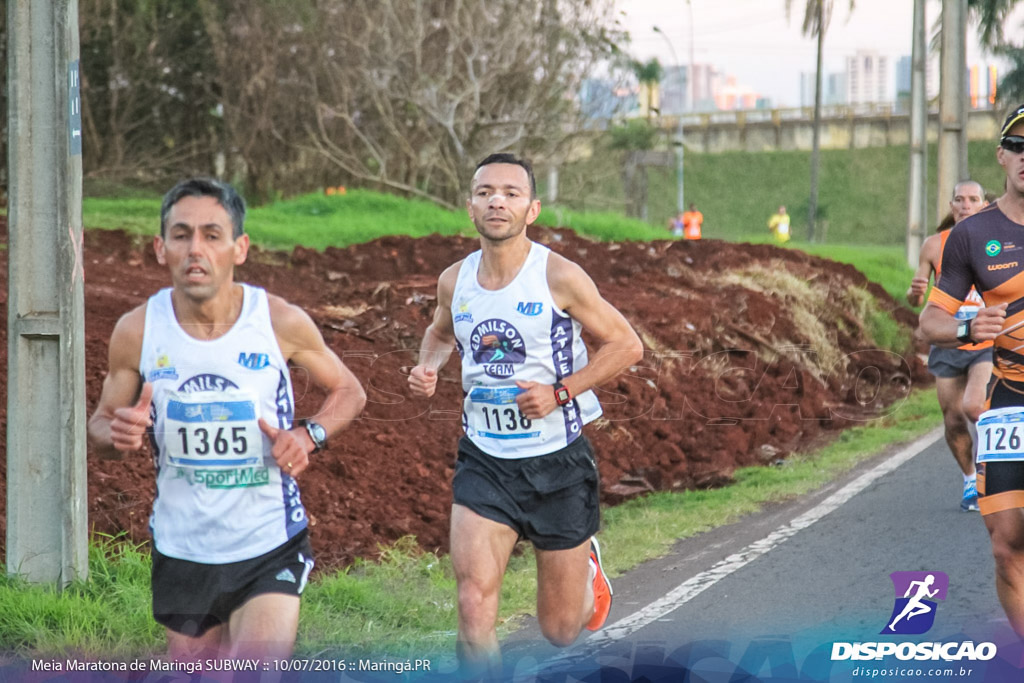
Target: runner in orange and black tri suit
[(961, 374), (987, 251)]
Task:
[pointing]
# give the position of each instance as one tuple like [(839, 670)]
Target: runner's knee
[(1008, 551), (955, 421), (560, 630), (478, 602), (973, 409)]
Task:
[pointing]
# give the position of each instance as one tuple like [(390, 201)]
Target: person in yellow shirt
[(779, 225)]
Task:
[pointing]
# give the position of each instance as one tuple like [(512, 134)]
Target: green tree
[(649, 74), (1011, 85), (817, 15), (992, 16), (148, 87)]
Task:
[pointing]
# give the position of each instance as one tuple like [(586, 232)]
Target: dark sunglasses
[(1013, 143)]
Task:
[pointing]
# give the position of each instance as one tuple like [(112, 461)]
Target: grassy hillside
[(862, 196), (318, 221)]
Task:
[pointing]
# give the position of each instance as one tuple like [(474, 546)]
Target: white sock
[(973, 476)]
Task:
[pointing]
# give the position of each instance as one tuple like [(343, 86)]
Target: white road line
[(696, 585)]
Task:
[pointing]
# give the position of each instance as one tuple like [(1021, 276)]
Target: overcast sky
[(754, 41)]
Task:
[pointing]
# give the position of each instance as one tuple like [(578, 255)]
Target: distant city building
[(867, 78), (733, 95), (981, 85), (904, 66), (674, 91), (707, 79), (833, 90)]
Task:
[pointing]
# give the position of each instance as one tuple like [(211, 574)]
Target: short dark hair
[(508, 158), (967, 181), (225, 195)]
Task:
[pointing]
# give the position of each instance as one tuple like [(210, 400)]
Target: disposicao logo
[(914, 611), (993, 247)]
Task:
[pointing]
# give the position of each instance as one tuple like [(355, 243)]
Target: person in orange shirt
[(961, 374), (692, 222)]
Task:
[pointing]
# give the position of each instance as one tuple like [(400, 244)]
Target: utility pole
[(917, 196), (812, 205), (47, 538), (952, 147), (677, 144)]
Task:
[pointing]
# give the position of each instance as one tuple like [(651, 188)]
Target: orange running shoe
[(602, 589)]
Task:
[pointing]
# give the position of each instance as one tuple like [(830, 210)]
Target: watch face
[(317, 433)]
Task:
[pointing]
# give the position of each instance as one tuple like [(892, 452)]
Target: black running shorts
[(1001, 484), (551, 500), (191, 598), (955, 362)]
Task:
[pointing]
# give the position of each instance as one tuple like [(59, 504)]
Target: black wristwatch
[(317, 433), (963, 332), (562, 394)]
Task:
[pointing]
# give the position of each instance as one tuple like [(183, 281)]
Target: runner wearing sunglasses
[(986, 251)]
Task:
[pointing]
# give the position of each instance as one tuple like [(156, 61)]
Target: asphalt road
[(767, 598)]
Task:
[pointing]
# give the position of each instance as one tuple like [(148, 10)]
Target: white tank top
[(220, 496), (516, 333)]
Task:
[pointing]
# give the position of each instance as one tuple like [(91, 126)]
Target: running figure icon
[(915, 606)]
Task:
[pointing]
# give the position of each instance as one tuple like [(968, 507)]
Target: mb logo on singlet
[(530, 308), (916, 595), (497, 346)]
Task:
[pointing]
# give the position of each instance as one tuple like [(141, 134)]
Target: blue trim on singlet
[(562, 357), (294, 513)]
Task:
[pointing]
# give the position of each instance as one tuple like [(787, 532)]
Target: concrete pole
[(812, 205), (917, 196), (47, 538), (678, 142), (952, 148), (552, 184)]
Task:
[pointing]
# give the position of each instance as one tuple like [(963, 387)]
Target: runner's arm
[(618, 344), (927, 258), (303, 346), (118, 424), (938, 319), (939, 325), (439, 339)]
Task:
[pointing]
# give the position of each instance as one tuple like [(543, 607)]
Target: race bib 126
[(1001, 435)]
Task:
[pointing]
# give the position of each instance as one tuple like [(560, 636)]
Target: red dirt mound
[(740, 369)]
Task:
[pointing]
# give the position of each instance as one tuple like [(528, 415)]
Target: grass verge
[(405, 603), (318, 221)]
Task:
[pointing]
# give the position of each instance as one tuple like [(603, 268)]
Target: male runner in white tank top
[(515, 310), (202, 370)]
